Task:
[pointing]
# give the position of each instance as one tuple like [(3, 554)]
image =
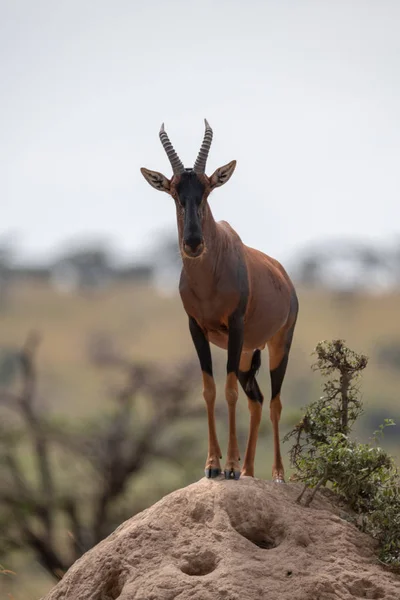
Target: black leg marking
[(248, 380), (278, 374), (236, 322), (235, 342), (202, 346)]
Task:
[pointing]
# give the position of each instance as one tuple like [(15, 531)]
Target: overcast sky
[(304, 94)]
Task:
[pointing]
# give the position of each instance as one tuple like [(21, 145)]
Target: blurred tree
[(6, 256), (308, 271), (167, 264), (57, 477), (396, 262), (84, 269), (348, 266)]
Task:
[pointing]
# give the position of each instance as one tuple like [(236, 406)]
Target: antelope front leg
[(212, 467), (235, 344)]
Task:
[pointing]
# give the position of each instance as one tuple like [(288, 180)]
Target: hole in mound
[(112, 588), (200, 564), (258, 537), (363, 588), (263, 541)]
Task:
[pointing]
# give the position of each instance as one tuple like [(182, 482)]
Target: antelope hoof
[(212, 472), (278, 480), (231, 474)]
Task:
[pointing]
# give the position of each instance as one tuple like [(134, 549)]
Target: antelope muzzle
[(193, 247)]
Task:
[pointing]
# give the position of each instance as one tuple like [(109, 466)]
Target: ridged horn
[(201, 160), (176, 163)]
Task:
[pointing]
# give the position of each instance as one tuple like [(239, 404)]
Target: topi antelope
[(235, 297)]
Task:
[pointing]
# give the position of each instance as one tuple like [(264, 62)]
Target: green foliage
[(323, 453)]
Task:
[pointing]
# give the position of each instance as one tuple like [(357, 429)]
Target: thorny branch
[(113, 450), (332, 359), (35, 423)]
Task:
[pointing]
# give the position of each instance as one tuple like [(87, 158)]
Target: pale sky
[(305, 95)]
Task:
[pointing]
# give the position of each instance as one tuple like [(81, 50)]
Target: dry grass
[(150, 328)]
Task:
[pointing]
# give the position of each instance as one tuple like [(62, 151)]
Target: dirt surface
[(231, 540)]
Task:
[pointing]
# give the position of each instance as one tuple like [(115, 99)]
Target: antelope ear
[(222, 175), (156, 180)]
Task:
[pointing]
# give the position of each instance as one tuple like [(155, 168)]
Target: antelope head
[(190, 189)]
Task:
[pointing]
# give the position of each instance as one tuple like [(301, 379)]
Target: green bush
[(323, 453)]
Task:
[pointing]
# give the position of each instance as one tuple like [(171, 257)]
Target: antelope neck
[(201, 272)]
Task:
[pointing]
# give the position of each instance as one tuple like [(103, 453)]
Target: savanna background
[(100, 396)]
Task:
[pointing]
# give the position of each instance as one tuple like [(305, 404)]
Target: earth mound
[(232, 540)]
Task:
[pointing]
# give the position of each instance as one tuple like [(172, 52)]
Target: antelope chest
[(212, 312)]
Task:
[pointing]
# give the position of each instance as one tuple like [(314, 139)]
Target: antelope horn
[(201, 160), (176, 163)]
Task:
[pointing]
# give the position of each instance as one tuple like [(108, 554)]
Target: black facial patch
[(190, 189)]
